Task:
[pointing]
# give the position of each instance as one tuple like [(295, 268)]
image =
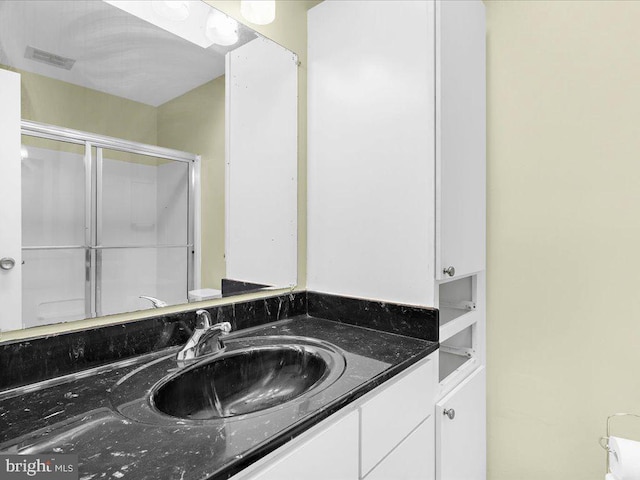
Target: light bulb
[(260, 12), (177, 10), (221, 29)]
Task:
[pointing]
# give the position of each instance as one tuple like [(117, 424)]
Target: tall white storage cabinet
[(396, 184), (371, 134)]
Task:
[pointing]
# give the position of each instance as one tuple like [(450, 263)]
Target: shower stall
[(104, 221)]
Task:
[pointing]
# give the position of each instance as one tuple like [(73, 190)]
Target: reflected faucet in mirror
[(157, 303), (206, 339)]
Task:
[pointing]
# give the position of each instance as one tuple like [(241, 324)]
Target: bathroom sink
[(247, 380), (253, 376)]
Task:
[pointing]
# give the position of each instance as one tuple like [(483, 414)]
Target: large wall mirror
[(158, 158)]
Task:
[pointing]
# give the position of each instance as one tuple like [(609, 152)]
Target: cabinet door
[(461, 440), (10, 200), (330, 454), (460, 137), (413, 459), (370, 177)]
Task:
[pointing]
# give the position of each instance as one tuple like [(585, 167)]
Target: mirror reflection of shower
[(94, 66), (104, 222)]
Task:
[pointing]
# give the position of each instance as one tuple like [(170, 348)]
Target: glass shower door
[(104, 221), (142, 243), (54, 231)]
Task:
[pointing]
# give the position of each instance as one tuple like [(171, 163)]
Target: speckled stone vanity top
[(81, 413)]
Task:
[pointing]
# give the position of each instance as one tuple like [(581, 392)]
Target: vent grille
[(49, 58)]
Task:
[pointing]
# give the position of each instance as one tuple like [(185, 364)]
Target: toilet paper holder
[(604, 441)]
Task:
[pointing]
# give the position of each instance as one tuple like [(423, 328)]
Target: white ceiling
[(115, 52)]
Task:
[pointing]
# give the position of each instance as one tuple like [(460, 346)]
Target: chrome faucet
[(205, 340), (157, 303)]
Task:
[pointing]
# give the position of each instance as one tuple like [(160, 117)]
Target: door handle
[(7, 263)]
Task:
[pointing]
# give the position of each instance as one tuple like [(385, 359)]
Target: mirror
[(158, 159)]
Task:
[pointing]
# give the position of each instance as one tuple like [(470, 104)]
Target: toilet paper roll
[(624, 458)]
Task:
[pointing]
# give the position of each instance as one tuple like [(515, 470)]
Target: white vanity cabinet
[(411, 459), (387, 434), (396, 179), (331, 452), (390, 417)]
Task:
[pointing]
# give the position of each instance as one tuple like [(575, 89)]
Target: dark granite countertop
[(83, 415)]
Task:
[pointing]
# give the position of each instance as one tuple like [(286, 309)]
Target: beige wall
[(51, 101), (194, 122), (563, 233)]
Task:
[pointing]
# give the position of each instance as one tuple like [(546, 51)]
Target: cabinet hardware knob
[(451, 271), (7, 263), (449, 412)]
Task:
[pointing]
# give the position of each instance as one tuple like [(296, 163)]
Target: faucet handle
[(224, 327)]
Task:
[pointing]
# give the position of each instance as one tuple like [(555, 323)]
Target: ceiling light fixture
[(176, 10), (190, 27), (221, 29), (260, 12)]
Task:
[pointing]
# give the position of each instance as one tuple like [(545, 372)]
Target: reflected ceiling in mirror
[(102, 46)]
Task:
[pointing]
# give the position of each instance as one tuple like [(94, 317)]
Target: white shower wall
[(143, 205)]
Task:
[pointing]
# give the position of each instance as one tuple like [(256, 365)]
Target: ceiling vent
[(49, 58)]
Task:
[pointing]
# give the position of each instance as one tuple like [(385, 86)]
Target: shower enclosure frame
[(93, 203)]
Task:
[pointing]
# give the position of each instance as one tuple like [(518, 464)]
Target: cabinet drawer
[(413, 459), (330, 454), (391, 415)]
